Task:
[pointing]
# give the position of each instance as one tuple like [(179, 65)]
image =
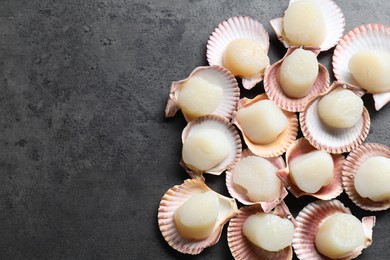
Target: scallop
[(318, 234), (241, 247), (211, 144), (274, 88), (312, 172), (183, 198), (377, 181), (333, 19), (331, 139), (269, 135), (241, 45), (367, 44), (258, 183), (209, 90)]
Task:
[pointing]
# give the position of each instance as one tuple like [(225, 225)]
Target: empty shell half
[(312, 172), (292, 92), (253, 180), (267, 130), (366, 175), (240, 44), (328, 230), (185, 231), (339, 129), (362, 59), (244, 245), (315, 23), (211, 144), (208, 90)]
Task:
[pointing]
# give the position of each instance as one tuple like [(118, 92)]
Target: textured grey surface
[(85, 151)]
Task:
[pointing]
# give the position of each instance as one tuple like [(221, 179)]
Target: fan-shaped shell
[(238, 193), (238, 27), (334, 20), (331, 191), (328, 139), (364, 37), (308, 221), (173, 199), (275, 92), (350, 168), (216, 75), (221, 124)]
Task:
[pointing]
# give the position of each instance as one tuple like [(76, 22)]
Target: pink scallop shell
[(364, 37), (218, 123), (219, 76), (308, 221), (238, 193), (275, 92), (282, 142), (173, 199), (350, 168), (235, 28), (331, 140), (241, 248), (331, 191), (334, 19)]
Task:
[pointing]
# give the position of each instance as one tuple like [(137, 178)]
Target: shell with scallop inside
[(319, 229), (375, 189), (273, 145), (262, 187), (178, 196), (313, 169), (333, 24), (330, 139), (211, 144), (208, 90), (240, 44), (370, 42), (274, 88), (242, 248)]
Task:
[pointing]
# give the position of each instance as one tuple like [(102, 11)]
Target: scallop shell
[(275, 92), (239, 194), (173, 199), (282, 142), (235, 28), (334, 19), (364, 37), (331, 191), (241, 248), (331, 140), (221, 124), (218, 76), (308, 222), (350, 168)]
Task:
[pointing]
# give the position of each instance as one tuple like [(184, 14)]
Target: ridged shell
[(216, 75), (242, 249), (173, 199), (331, 140), (364, 37), (350, 168), (331, 191), (221, 124), (235, 28), (282, 142), (334, 19), (308, 222), (275, 92), (240, 194)]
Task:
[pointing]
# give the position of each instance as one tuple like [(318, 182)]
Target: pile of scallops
[(254, 141)]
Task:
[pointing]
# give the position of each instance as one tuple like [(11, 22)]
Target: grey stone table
[(85, 151)]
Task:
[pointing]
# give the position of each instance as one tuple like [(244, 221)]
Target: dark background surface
[(85, 151)]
